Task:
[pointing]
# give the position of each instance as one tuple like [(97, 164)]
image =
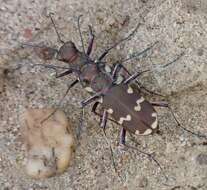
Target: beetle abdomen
[(130, 110)]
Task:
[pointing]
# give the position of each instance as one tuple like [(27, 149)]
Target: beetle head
[(67, 52), (88, 72)]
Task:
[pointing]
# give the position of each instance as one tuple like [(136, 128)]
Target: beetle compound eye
[(85, 82)]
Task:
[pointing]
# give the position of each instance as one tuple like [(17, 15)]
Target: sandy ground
[(178, 25)]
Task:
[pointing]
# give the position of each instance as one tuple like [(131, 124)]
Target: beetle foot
[(122, 148)]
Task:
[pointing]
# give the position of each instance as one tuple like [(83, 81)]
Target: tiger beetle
[(109, 87)]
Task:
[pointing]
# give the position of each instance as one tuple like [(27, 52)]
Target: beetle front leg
[(68, 72), (118, 68), (134, 76), (90, 99), (60, 102)]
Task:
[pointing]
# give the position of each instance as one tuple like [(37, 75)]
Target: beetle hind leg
[(100, 114), (122, 140), (166, 105), (150, 156)]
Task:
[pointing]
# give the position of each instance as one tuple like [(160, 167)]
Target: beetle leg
[(68, 72), (112, 154), (160, 104), (95, 107), (95, 112), (100, 114), (123, 144), (133, 77), (122, 140), (60, 102), (150, 157), (117, 69), (104, 120), (166, 105), (117, 43), (147, 90), (90, 46), (90, 99)]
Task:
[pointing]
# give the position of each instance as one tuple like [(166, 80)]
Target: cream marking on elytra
[(137, 132), (107, 69), (154, 124), (122, 119), (110, 111), (129, 90), (138, 107), (147, 132)]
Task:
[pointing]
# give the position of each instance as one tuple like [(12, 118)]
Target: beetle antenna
[(81, 37), (150, 157), (53, 23)]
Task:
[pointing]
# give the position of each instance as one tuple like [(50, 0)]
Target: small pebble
[(49, 144)]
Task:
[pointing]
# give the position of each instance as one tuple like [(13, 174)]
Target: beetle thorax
[(68, 52), (101, 83), (93, 79)]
